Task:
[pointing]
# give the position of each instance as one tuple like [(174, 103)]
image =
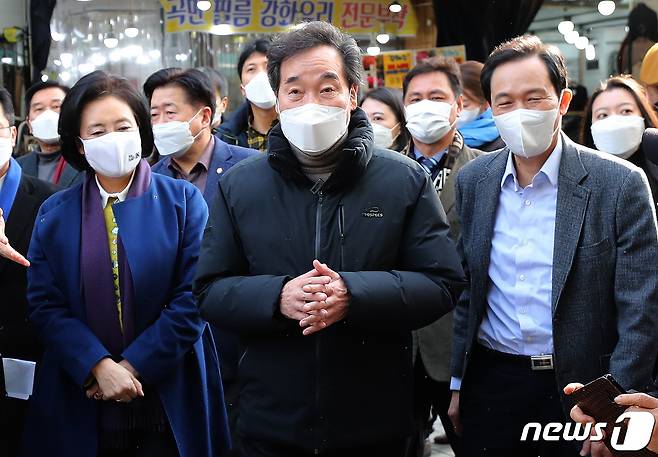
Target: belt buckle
[(541, 362)]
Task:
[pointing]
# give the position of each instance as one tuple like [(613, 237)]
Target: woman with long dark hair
[(615, 119)]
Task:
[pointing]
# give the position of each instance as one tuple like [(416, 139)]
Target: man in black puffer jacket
[(324, 255)]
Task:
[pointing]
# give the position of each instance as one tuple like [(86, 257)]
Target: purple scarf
[(98, 293), (96, 270)]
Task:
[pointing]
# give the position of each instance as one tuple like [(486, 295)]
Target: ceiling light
[(571, 37), (590, 52), (110, 41), (131, 31), (383, 38), (373, 50), (203, 5), (395, 7), (565, 26), (581, 42), (606, 7)]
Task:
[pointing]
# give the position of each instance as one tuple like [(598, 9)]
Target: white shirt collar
[(121, 196), (550, 169)]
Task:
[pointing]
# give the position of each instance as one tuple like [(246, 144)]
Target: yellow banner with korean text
[(271, 16)]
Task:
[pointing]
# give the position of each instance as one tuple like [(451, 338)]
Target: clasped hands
[(317, 299), (114, 381)]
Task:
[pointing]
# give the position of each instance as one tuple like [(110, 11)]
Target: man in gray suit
[(561, 247)]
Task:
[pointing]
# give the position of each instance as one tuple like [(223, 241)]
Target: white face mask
[(314, 128), (618, 135), (383, 135), (429, 121), (259, 92), (6, 148), (44, 127), (114, 154), (466, 116), (174, 138), (527, 132)]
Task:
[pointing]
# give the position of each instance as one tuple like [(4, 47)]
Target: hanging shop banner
[(389, 68), (456, 52), (396, 65), (270, 16)]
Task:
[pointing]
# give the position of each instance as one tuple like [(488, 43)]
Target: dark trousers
[(148, 444), (251, 448), (500, 394), (431, 399), (12, 421)]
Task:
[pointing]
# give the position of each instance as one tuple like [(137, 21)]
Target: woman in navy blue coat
[(129, 369)]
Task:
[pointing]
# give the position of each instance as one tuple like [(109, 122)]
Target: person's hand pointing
[(6, 250)]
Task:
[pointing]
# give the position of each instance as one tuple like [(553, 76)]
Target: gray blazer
[(605, 266)]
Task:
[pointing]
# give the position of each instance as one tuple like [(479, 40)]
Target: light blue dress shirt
[(518, 319), (438, 156)]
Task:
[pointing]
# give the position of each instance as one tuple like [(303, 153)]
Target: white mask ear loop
[(399, 132), (190, 121), (559, 124)]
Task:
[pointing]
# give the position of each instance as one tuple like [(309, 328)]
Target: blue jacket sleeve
[(74, 345), (162, 346)]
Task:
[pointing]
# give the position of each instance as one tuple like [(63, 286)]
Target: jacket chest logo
[(374, 212)]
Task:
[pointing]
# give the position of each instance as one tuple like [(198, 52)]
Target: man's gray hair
[(311, 35)]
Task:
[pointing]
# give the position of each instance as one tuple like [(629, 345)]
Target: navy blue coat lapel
[(218, 165), (61, 227)]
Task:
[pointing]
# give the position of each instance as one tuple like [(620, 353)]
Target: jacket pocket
[(593, 250)]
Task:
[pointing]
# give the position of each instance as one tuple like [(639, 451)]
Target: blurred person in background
[(385, 112), (475, 122), (249, 125), (616, 117), (182, 105), (20, 198), (433, 98), (43, 101), (649, 74), (220, 88)]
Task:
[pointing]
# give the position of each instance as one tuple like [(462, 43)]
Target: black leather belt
[(540, 362)]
